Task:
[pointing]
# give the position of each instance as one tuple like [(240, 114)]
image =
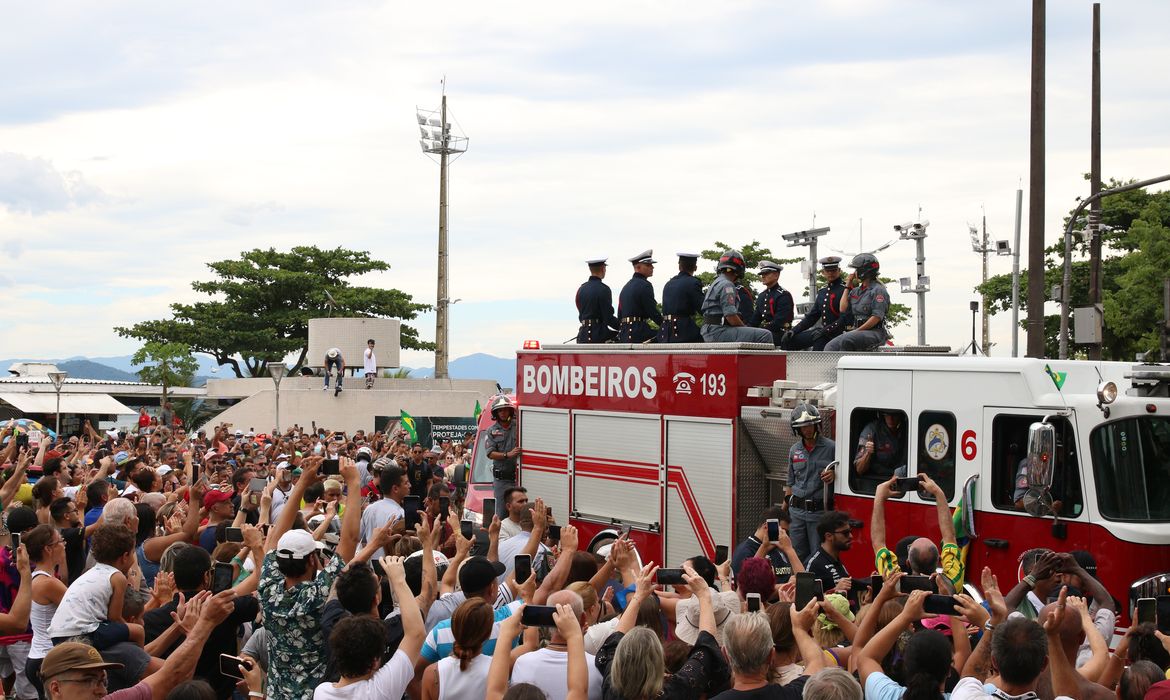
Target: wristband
[(255, 694), (1030, 581), (988, 626)]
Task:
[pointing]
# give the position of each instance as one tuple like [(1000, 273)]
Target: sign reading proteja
[(682, 384)]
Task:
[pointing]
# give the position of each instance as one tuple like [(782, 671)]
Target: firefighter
[(636, 305), (881, 449), (774, 307), (722, 322), (502, 447), (681, 299), (808, 334), (808, 472), (595, 306), (867, 302)]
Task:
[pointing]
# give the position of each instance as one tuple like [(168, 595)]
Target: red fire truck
[(687, 444)]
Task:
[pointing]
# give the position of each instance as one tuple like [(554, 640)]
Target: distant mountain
[(86, 369), (476, 366)]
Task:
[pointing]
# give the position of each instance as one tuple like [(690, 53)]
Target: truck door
[(617, 468), (544, 461), (699, 489)]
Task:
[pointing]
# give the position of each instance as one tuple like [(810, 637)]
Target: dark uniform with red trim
[(595, 310), (682, 297), (774, 306), (636, 305), (811, 335)]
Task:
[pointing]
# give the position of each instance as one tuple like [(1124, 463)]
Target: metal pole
[(58, 430), (441, 297), (1165, 319), (983, 300), (1016, 277), (1036, 189), (278, 409), (1095, 176), (921, 268), (812, 271)]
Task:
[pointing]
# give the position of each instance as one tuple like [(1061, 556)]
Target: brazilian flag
[(407, 423), (478, 410), (1057, 377)]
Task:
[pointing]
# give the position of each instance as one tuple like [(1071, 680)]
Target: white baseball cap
[(297, 544), (164, 469)]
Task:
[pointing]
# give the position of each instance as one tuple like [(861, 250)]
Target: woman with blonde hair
[(464, 673)]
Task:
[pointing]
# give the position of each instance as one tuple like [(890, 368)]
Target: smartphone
[(939, 604), (720, 554), (773, 529), (233, 534), (625, 530), (377, 567), (554, 533), (808, 587), (331, 467), (908, 484), (1147, 610), (489, 511), (916, 582), (467, 529), (671, 577), (258, 483), (538, 616), (523, 567), (875, 584), (753, 602), (15, 541), (222, 578), (444, 506), (1163, 614), (411, 504), (230, 665)]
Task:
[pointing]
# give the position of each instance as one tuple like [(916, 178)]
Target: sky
[(140, 141)]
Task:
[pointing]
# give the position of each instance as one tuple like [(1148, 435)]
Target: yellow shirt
[(949, 559)]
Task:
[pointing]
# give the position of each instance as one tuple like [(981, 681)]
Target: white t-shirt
[(369, 361), (969, 688), (547, 669), (515, 545), (86, 603), (508, 529), (389, 682), (375, 516)]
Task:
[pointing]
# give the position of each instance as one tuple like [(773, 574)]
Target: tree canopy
[(1135, 259), (168, 364), (259, 306)]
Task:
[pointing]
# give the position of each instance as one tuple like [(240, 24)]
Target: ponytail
[(922, 686)]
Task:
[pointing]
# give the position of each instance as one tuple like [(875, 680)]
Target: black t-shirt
[(771, 691), (224, 639), (420, 476), (74, 551), (826, 568)]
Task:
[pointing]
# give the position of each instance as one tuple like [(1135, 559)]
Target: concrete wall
[(355, 408), (242, 388)]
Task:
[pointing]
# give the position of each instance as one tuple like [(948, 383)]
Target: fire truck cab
[(687, 444)]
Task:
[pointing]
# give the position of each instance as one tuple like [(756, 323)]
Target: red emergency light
[(531, 344)]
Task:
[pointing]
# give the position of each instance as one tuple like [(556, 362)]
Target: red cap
[(214, 496), (1159, 691)]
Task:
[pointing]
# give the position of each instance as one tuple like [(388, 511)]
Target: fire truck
[(686, 444)]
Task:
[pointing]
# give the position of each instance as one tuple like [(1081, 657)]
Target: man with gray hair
[(747, 643), (924, 557), (832, 684), (121, 511), (546, 668)]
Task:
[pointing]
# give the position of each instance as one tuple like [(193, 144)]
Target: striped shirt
[(441, 640)]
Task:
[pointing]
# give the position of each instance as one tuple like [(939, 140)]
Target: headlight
[(1106, 393)]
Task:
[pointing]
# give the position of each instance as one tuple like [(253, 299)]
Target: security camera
[(902, 226)]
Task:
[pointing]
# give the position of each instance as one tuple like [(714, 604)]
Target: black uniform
[(595, 311), (682, 297), (636, 308), (746, 303), (774, 310), (827, 310)]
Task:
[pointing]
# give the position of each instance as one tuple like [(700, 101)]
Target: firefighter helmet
[(501, 402), (731, 260), (805, 414), (866, 265)]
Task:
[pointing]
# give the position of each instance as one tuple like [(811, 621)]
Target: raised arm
[(12, 485), (629, 618), (877, 523), (350, 527), (180, 665), (413, 628), (978, 665), (946, 522), (15, 621), (869, 660), (556, 578), (155, 546), (287, 515), (578, 672)]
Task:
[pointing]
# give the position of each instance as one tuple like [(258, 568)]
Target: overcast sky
[(139, 141)]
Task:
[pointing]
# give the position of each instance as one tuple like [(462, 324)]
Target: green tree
[(1135, 259), (168, 364), (259, 306), (753, 253)]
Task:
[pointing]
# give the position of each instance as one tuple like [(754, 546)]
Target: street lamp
[(58, 379), (917, 233), (277, 370)]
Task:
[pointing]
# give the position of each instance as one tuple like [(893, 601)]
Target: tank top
[(148, 568), (40, 616), (460, 685)]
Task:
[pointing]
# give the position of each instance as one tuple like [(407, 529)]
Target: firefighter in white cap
[(682, 297), (595, 306), (636, 305), (502, 446), (722, 322), (774, 305)]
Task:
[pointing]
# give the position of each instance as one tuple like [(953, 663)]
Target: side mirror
[(1041, 450)]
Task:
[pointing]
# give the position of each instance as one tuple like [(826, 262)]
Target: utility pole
[(1036, 189), (917, 233), (1166, 319), (1095, 228), (808, 238), (440, 142), (984, 248), (1016, 276)]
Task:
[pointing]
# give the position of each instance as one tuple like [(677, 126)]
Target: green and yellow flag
[(407, 424), (1057, 377), (478, 410)]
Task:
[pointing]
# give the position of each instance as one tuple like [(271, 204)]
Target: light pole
[(437, 139), (917, 233), (58, 379), (277, 370), (808, 238)]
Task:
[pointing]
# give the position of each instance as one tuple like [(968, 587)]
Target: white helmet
[(805, 414), (333, 353), (501, 402)]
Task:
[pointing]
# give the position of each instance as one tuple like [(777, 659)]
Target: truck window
[(936, 448), (1009, 440), (877, 438), (1131, 467)]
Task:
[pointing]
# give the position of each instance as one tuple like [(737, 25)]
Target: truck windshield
[(1131, 461), (481, 466)]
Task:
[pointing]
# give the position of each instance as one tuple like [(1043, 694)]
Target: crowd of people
[(317, 564)]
